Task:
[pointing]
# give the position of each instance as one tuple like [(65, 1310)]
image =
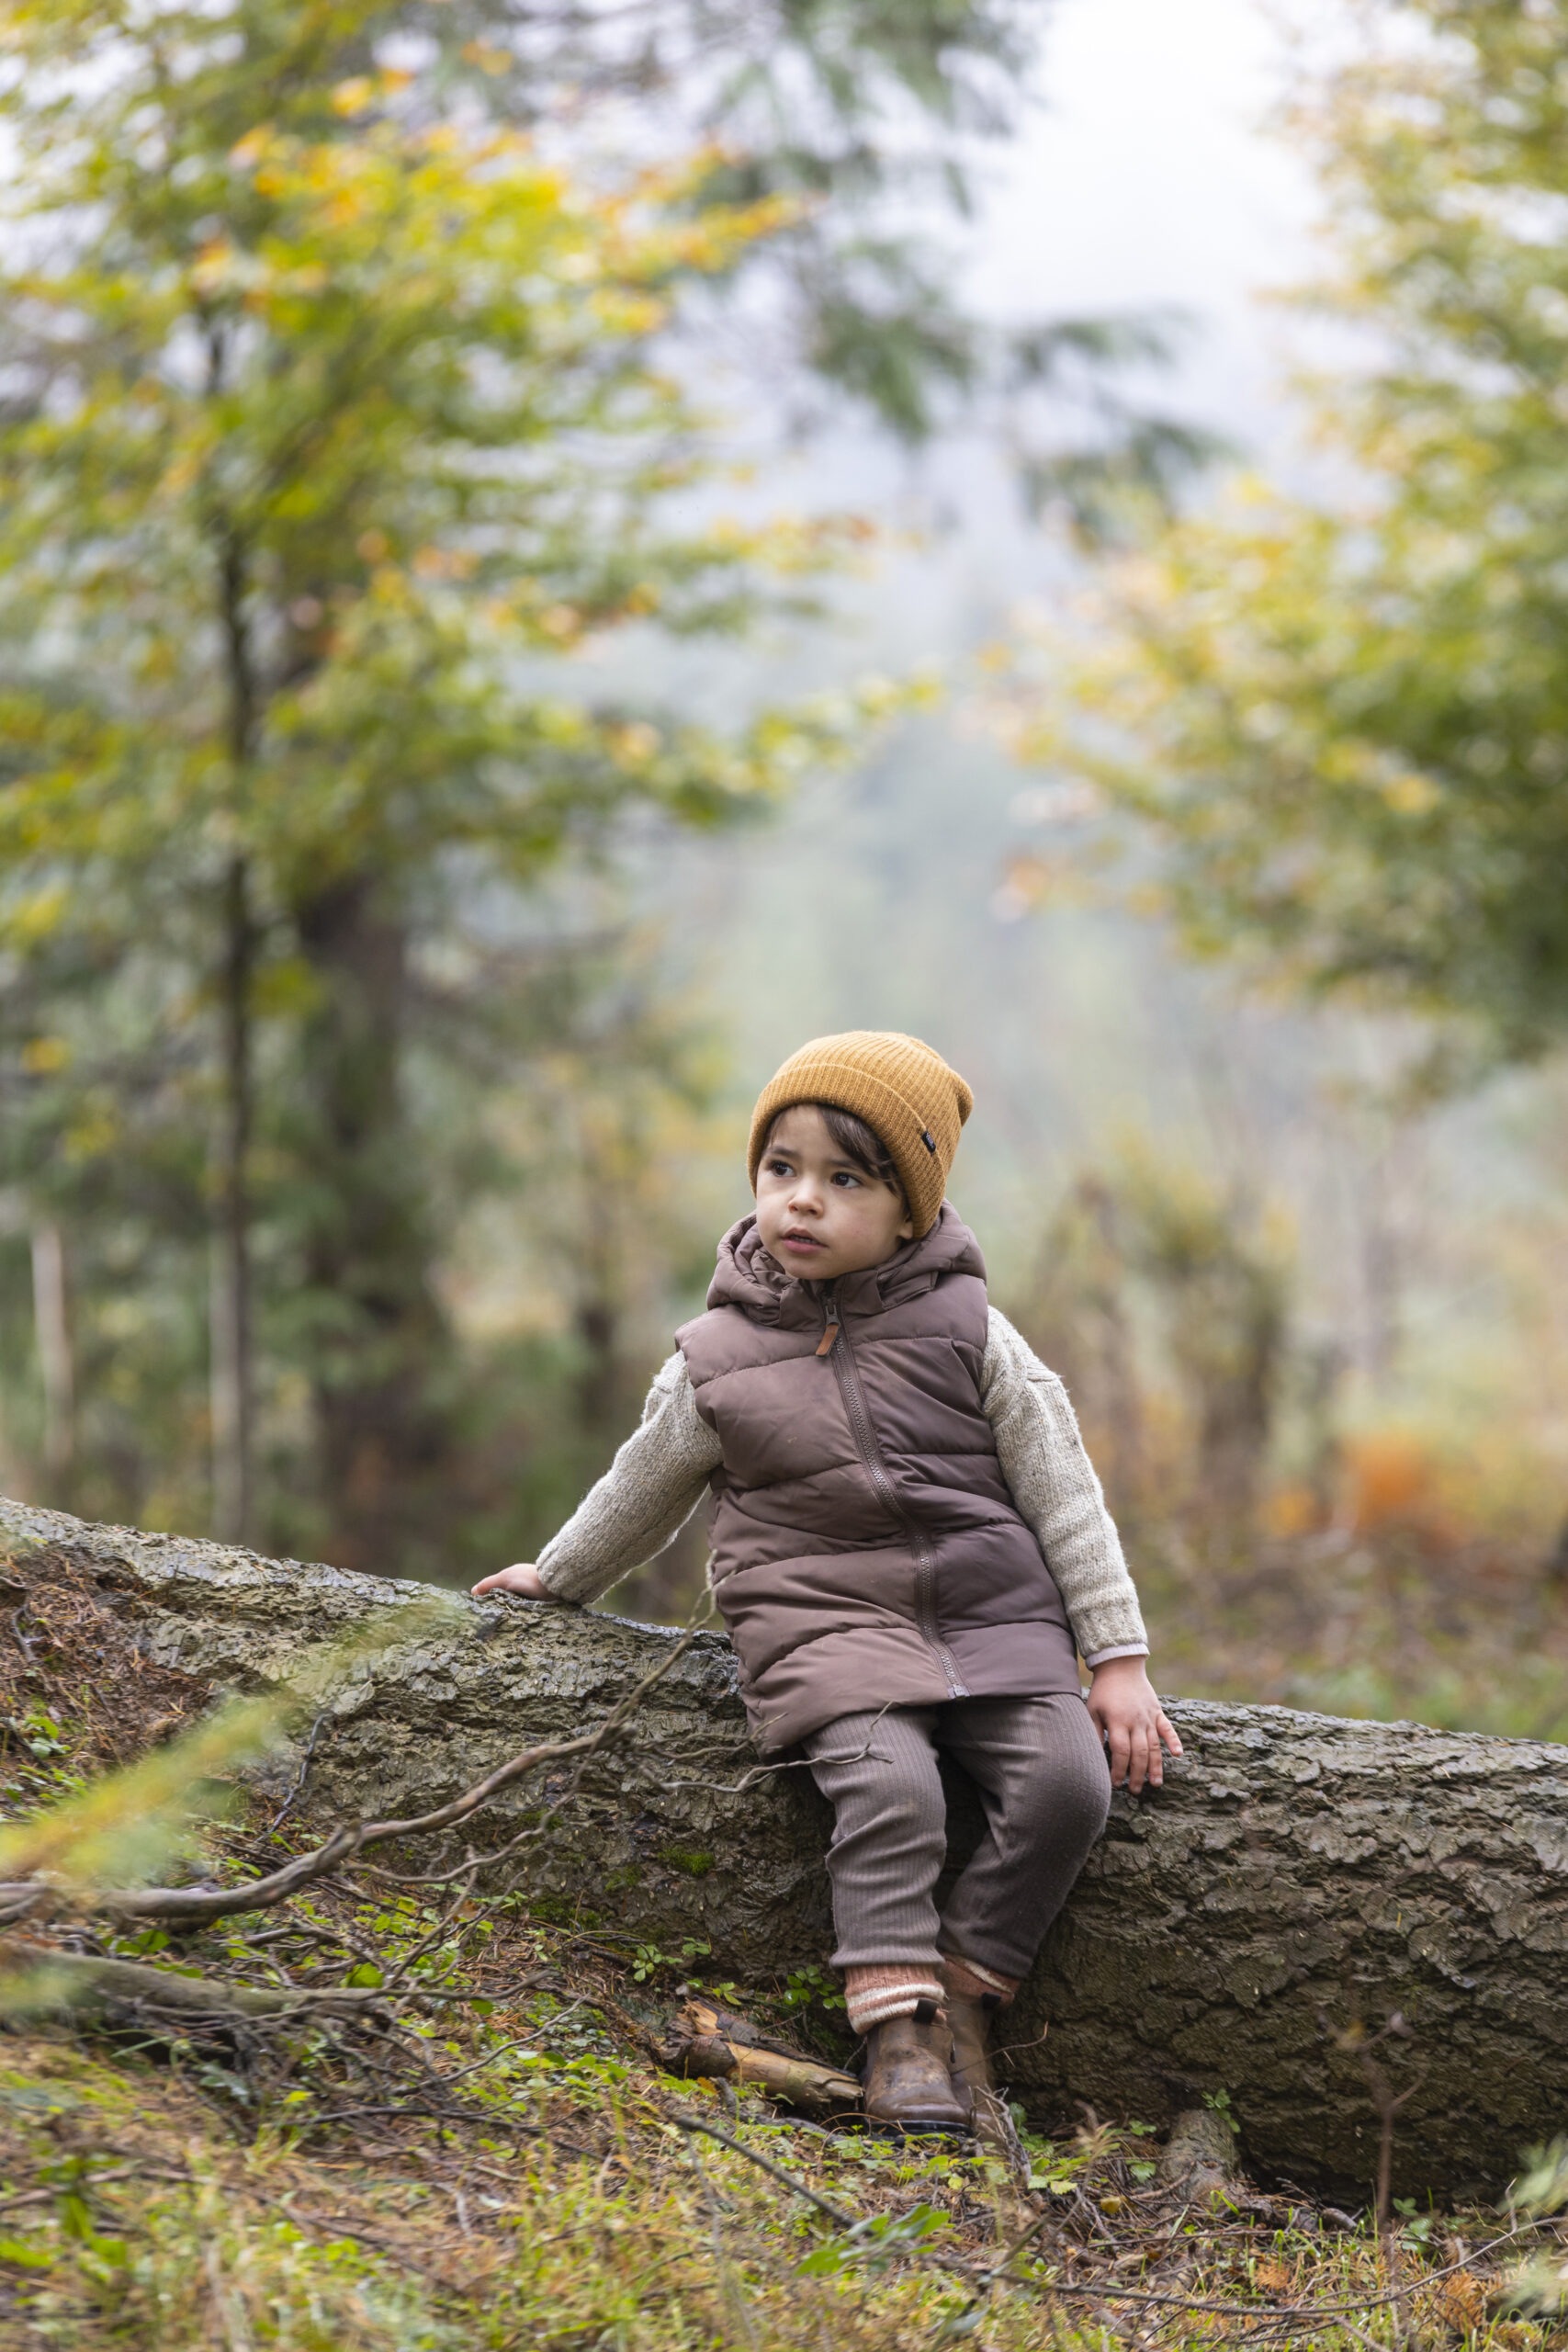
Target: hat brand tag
[(925, 1138)]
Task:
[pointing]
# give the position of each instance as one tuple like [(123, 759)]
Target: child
[(908, 1541)]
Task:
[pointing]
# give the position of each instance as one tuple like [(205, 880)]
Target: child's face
[(821, 1216)]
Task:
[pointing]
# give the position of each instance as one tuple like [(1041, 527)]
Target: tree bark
[(1245, 1929)]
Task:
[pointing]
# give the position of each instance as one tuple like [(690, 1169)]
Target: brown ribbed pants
[(1044, 1786)]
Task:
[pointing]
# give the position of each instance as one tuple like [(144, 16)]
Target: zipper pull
[(830, 1332)]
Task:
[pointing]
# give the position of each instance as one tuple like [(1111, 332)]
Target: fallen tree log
[(1296, 1881)]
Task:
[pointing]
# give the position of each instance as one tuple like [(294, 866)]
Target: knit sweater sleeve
[(1058, 1495), (650, 1491)]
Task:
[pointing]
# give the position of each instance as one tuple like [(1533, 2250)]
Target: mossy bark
[(1297, 1878)]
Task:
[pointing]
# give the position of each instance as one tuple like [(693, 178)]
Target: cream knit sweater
[(661, 1475)]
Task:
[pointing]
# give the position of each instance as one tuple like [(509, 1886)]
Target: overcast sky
[(1145, 177)]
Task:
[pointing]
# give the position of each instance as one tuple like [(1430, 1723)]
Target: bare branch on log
[(196, 1904), (78, 1981)]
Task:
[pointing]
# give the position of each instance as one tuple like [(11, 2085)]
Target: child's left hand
[(1132, 1722), (520, 1577)]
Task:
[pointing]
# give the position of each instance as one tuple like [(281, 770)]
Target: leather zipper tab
[(824, 1345)]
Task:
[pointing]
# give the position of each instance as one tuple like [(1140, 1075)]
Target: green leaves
[(1346, 718), (339, 430), (328, 431), (876, 2244)]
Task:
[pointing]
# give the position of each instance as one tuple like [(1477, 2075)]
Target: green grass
[(200, 2197)]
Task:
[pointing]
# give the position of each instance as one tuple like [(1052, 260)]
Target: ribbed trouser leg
[(1045, 1789), (879, 1773)]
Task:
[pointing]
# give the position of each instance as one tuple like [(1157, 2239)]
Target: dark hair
[(854, 1138)]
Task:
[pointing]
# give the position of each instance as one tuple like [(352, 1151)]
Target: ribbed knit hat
[(899, 1087)]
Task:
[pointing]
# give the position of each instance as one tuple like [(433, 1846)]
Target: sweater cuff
[(1103, 1657)]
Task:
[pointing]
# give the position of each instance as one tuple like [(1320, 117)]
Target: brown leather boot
[(969, 2019), (908, 2081)]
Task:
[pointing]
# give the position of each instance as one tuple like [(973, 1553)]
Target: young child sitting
[(909, 1548)]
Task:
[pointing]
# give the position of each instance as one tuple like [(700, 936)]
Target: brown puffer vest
[(866, 1551)]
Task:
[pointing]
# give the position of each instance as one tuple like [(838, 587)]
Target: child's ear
[(906, 1230)]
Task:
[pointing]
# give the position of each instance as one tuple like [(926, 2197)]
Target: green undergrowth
[(471, 2135), (507, 2165)]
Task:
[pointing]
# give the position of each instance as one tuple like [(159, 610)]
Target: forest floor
[(529, 2178), (1466, 1633), (485, 2147), (495, 2158)]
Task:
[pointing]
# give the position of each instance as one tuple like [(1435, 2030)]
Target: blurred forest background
[(545, 559)]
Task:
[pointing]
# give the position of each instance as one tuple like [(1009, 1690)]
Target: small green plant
[(140, 1946), (1417, 2226), (648, 1961), (40, 1733), (874, 2244), (812, 1983)]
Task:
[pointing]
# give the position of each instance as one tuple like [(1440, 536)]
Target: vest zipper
[(870, 1451)]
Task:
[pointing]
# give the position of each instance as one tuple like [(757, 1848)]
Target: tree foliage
[(1347, 717), (345, 420), (865, 123), (861, 117), (334, 418)]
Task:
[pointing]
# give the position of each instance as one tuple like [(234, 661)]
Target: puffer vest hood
[(867, 1549)]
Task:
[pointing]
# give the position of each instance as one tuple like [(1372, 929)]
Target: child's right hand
[(522, 1576)]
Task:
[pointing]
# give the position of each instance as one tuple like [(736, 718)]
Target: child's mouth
[(802, 1241)]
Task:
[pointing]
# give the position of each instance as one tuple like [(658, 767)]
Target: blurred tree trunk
[(601, 1384), (1229, 1340), (1076, 1316), (1120, 1403), (51, 1321), (232, 1376), (380, 1340), (609, 1389)]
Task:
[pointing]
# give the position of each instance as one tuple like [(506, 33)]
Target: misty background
[(365, 1143)]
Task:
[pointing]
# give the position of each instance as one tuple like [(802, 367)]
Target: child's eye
[(780, 1167), (843, 1176)]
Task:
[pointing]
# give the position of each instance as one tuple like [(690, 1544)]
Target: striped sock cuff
[(970, 1981), (873, 1995)]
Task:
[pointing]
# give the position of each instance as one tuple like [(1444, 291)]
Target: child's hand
[(1133, 1723), (522, 1576)]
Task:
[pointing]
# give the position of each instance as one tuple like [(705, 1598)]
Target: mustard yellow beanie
[(898, 1086)]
